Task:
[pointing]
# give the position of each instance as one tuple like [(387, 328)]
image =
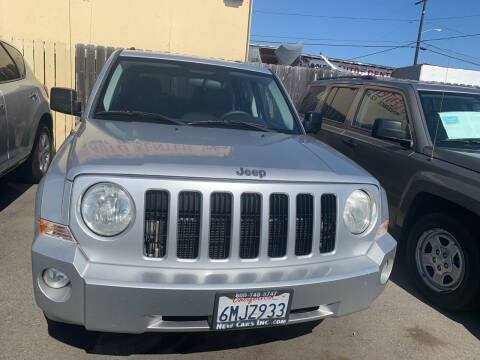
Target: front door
[(388, 161)]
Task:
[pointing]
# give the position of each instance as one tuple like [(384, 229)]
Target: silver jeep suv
[(191, 198)]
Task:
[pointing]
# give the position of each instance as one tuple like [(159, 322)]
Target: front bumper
[(134, 299)]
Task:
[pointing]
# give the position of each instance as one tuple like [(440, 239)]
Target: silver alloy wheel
[(44, 152), (440, 260)]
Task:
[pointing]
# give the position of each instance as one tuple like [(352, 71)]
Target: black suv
[(422, 142)]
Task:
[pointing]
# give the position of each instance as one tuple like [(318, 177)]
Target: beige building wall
[(204, 28)]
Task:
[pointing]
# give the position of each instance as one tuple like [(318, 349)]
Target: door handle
[(2, 108), (350, 142)]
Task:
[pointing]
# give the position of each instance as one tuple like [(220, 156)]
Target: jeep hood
[(152, 149)]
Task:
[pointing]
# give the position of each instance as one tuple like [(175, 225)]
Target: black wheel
[(41, 156), (443, 258)]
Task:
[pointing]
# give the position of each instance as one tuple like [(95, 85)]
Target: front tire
[(443, 258), (41, 156)]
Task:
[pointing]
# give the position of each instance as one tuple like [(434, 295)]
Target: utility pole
[(419, 38)]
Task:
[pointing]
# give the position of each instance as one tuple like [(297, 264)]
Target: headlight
[(107, 209), (358, 212)]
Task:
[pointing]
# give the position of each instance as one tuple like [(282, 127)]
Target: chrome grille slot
[(156, 223), (188, 224), (304, 225), (328, 222), (250, 219), (278, 225), (220, 225)]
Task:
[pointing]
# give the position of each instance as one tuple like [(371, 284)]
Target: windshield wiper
[(146, 115), (462, 141), (230, 123)]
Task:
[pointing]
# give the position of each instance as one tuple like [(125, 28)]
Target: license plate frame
[(254, 294)]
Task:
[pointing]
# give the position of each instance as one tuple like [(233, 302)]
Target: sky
[(380, 24)]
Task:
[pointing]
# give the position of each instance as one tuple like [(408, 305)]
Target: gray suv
[(25, 119), (190, 199)]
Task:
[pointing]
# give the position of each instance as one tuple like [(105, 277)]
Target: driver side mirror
[(391, 130), (312, 122), (65, 101)]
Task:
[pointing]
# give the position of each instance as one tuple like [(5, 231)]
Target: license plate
[(247, 309)]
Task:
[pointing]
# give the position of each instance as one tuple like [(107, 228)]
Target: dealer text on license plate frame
[(240, 309)]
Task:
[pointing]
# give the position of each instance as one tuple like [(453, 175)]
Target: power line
[(332, 17), (454, 57), (359, 17), (333, 45), (453, 52), (383, 51), (329, 39), (453, 37), (455, 17)]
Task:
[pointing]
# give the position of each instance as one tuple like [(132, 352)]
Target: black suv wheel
[(443, 259)]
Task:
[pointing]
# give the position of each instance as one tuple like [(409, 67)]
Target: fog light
[(55, 278), (386, 271)]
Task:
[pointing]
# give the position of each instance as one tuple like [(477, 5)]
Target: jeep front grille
[(188, 224), (259, 218), (250, 220), (220, 225), (328, 223), (304, 225), (156, 223), (278, 225)]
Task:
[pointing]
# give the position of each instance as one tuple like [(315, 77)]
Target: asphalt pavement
[(399, 324)]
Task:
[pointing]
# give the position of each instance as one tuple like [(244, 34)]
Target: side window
[(17, 57), (313, 100), (8, 69), (380, 104), (338, 103)]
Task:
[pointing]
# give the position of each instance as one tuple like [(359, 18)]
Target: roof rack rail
[(411, 81), (348, 76)]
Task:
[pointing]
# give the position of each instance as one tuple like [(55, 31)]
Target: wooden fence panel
[(89, 70), (110, 50), (100, 60), (50, 79), (63, 126), (28, 53), (39, 60), (80, 72)]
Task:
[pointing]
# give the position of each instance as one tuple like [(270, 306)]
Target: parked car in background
[(25, 119), (422, 142), (190, 199)]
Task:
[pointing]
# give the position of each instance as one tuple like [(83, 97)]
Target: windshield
[(195, 94), (453, 119)]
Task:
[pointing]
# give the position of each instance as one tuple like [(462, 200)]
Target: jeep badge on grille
[(252, 172)]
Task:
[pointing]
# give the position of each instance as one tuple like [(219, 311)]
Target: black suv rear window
[(338, 103)]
